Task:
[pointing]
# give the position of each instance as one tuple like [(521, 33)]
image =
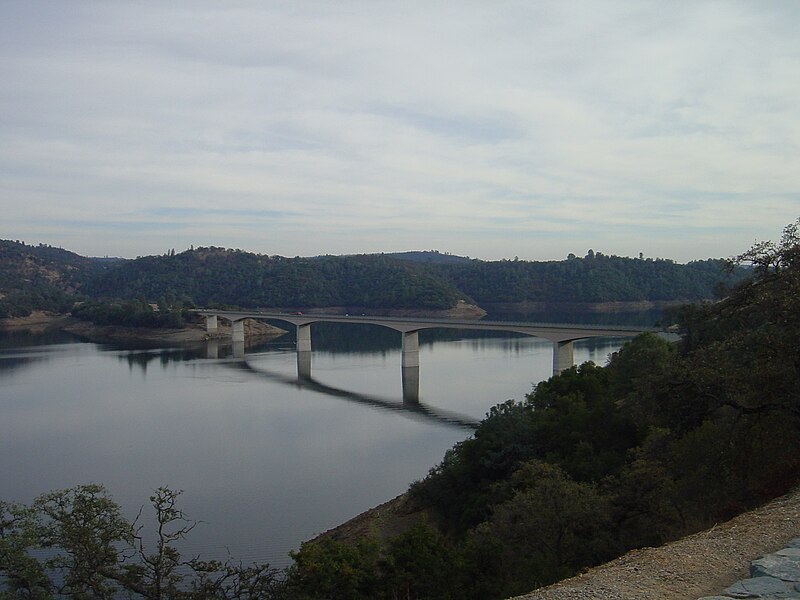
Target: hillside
[(594, 278), (217, 276), (42, 277)]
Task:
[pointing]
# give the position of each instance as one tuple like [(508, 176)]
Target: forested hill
[(594, 278), (41, 277), (215, 275), (44, 277), (209, 275)]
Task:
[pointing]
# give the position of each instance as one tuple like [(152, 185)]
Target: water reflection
[(409, 406)]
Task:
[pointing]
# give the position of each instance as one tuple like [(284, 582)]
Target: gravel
[(698, 565)]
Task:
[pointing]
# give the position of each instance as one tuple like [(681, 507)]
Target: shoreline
[(41, 321)]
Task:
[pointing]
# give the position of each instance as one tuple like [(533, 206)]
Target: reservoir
[(264, 461)]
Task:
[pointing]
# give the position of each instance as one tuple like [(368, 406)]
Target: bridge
[(561, 335)]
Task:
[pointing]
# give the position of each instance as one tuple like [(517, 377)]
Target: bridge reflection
[(410, 405)]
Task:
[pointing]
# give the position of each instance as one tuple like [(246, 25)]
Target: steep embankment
[(698, 565)]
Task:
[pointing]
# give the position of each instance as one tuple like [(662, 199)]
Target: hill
[(426, 280), (42, 277), (594, 278), (208, 276)]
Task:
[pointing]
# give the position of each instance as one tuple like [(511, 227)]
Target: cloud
[(530, 129)]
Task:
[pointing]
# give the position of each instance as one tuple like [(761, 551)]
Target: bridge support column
[(410, 349), (304, 364), (304, 338), (238, 349), (563, 356), (410, 385), (238, 331), (211, 324), (212, 349)]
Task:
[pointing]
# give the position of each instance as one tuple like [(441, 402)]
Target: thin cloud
[(493, 130)]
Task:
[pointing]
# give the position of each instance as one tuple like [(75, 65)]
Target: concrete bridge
[(561, 335)]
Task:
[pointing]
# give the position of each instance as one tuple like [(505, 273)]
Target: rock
[(778, 565), (760, 587)]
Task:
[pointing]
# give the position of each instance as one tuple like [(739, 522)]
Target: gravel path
[(702, 564)]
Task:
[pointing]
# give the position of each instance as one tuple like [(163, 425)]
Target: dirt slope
[(698, 565)]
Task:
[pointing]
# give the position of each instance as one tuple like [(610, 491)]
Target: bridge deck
[(555, 332)]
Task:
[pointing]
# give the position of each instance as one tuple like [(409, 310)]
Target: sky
[(488, 129)]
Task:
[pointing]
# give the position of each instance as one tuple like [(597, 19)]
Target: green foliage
[(30, 275), (551, 526), (422, 563), (333, 570), (95, 553), (130, 313), (595, 278), (23, 575), (570, 421), (214, 275), (40, 278)]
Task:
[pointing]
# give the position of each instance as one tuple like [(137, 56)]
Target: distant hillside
[(595, 278), (218, 276), (430, 257), (40, 277), (43, 277)]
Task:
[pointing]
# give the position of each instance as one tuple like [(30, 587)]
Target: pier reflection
[(410, 404)]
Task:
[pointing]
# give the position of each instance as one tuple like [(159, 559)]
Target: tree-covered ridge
[(40, 277), (594, 278), (217, 276)]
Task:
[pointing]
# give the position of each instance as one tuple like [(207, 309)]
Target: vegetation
[(46, 278), (130, 313), (95, 553), (214, 275), (40, 278), (594, 278)]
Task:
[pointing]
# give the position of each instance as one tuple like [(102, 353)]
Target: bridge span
[(562, 335)]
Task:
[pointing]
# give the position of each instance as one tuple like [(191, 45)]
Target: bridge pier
[(304, 364), (211, 324), (410, 385), (563, 356), (410, 349), (238, 330), (304, 338), (238, 349)]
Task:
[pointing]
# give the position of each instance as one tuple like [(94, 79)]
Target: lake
[(264, 461)]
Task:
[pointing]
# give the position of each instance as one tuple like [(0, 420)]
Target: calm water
[(264, 462)]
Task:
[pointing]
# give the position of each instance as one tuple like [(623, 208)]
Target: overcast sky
[(487, 129)]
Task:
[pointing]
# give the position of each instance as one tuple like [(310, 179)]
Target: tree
[(95, 553), (766, 257)]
